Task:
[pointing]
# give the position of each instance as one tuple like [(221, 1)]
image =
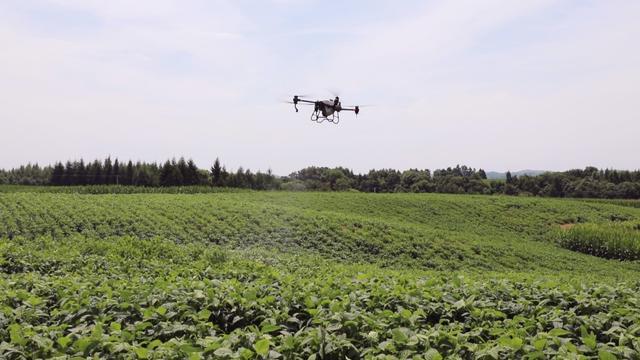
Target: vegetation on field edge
[(613, 240), (588, 183)]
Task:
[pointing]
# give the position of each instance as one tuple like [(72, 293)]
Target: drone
[(328, 110)]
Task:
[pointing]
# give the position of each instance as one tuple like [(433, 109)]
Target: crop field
[(615, 240), (255, 275)]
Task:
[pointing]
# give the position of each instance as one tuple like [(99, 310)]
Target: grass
[(300, 275), (622, 202)]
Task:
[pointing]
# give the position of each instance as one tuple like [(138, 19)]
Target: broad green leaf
[(540, 344), (148, 313), (459, 304), (97, 331), (269, 328), (405, 313), (590, 341), (570, 347), (399, 336), (143, 325), (262, 347), (15, 334), (204, 314), (161, 310), (114, 326), (432, 354), (64, 341), (142, 353), (223, 352), (512, 342), (85, 344), (606, 355), (34, 301), (559, 332), (246, 354)]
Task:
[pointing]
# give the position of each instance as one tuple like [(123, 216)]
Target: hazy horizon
[(498, 85)]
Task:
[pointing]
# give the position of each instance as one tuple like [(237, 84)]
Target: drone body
[(328, 110)]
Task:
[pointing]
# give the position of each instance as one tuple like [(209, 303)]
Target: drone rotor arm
[(355, 109), (308, 104)]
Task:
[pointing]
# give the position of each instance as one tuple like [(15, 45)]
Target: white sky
[(546, 84)]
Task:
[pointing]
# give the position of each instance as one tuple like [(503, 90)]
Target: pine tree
[(165, 171), (142, 176), (128, 177), (175, 177), (108, 171), (69, 174), (116, 172), (249, 179), (192, 171), (239, 178), (97, 173), (81, 172), (216, 173), (170, 174), (184, 173), (57, 174), (224, 177)]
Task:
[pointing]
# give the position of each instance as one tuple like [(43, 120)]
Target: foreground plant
[(132, 298)]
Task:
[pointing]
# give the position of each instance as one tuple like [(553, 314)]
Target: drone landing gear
[(317, 117)]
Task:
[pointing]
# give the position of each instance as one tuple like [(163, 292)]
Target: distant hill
[(495, 175)]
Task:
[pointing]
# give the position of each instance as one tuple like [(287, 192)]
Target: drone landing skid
[(319, 118)]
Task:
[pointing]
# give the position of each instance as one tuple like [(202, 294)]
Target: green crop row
[(117, 189), (126, 297), (258, 275), (621, 202), (612, 240), (431, 231)]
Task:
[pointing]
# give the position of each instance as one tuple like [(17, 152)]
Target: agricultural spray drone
[(328, 110)]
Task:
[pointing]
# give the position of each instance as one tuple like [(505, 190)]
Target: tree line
[(588, 183), (578, 183), (109, 171)]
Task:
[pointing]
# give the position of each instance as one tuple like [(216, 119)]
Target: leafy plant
[(320, 276)]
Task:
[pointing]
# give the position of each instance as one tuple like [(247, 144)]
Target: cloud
[(154, 78), (559, 100), (496, 84)]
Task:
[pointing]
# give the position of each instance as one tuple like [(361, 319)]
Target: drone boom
[(356, 109)]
